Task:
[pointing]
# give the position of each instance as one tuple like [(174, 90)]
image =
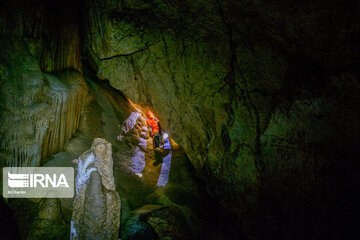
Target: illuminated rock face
[(262, 95), (96, 207), (134, 133), (242, 85)]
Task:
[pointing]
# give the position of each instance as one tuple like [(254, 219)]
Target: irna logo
[(36, 180)]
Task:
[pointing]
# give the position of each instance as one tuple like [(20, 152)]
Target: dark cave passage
[(258, 105)]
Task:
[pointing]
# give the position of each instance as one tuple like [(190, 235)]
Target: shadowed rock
[(49, 223)]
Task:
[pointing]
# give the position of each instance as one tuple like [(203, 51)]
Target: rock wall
[(58, 104), (24, 120), (51, 30), (258, 93)]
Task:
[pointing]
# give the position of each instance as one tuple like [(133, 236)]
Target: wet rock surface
[(258, 94)]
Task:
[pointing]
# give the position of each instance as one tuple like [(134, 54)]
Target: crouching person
[(154, 129)]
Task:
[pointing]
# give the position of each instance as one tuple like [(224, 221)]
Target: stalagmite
[(96, 207)]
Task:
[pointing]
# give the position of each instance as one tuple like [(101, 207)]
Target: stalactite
[(23, 121), (55, 95), (38, 115), (23, 133), (66, 97)]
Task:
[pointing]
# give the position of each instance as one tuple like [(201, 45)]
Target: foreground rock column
[(96, 208)]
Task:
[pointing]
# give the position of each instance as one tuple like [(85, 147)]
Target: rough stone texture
[(107, 25), (94, 110), (261, 94), (24, 120), (102, 117), (169, 223), (49, 223), (96, 207), (190, 82)]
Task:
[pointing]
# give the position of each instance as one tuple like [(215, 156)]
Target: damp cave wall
[(262, 95)]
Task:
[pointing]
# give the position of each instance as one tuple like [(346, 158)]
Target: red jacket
[(153, 124)]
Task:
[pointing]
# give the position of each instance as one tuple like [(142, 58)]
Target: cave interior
[(259, 100)]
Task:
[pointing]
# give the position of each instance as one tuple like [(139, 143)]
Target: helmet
[(165, 136), (148, 113)]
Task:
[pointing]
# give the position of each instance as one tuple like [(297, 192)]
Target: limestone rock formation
[(262, 95), (246, 87), (39, 111), (66, 93), (96, 207)]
